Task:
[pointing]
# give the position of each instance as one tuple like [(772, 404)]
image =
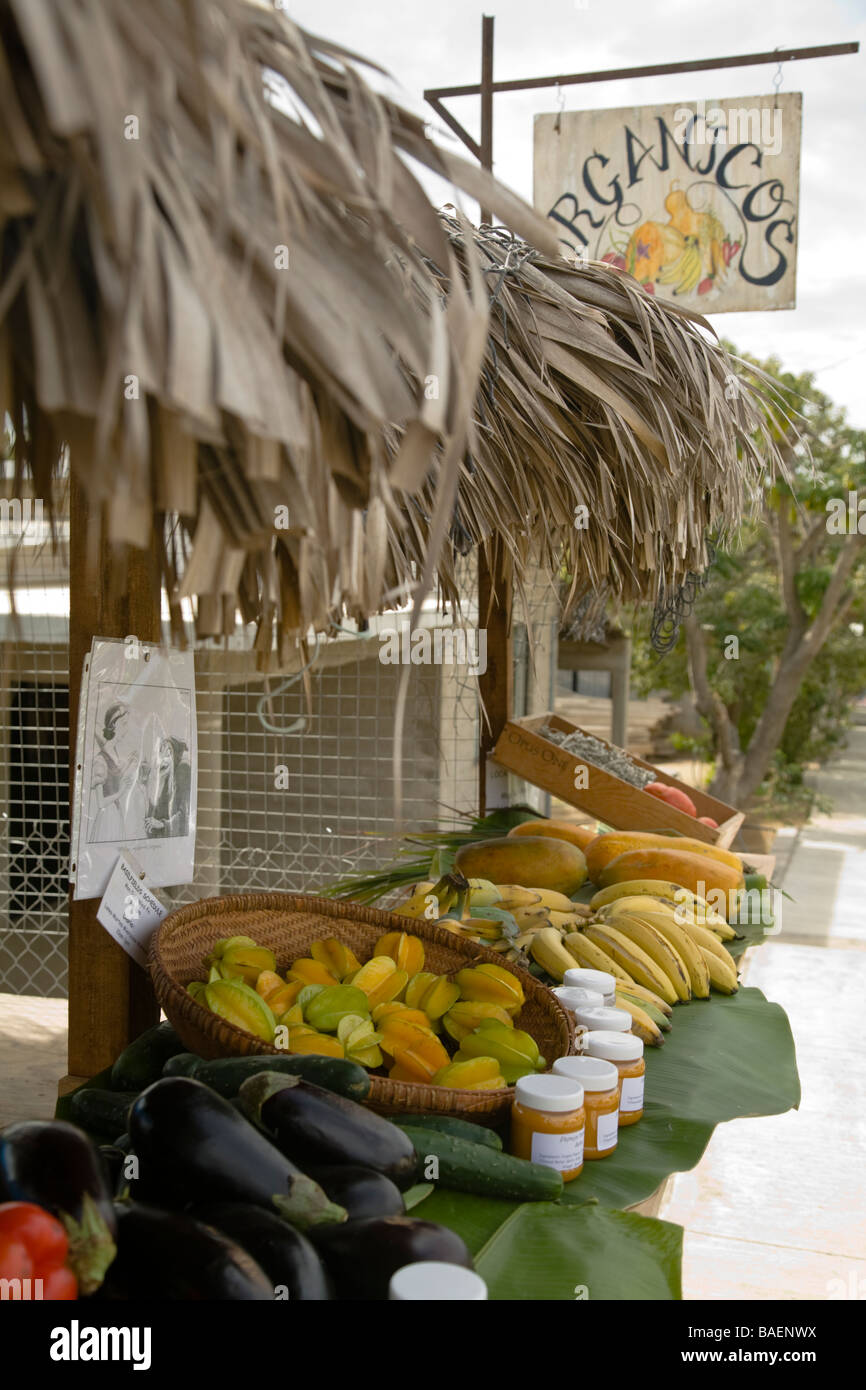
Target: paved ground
[(777, 1207)]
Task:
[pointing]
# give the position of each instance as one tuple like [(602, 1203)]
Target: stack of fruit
[(388, 1012), (502, 916)]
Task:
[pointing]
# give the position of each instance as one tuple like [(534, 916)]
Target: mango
[(405, 950), (491, 984), (335, 957), (533, 861), (471, 1074), (464, 1017), (238, 1004), (333, 1003)]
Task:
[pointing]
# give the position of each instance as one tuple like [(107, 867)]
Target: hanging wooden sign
[(697, 201)]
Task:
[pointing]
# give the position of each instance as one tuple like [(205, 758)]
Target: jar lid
[(573, 998), (614, 1020), (435, 1279), (553, 1093), (590, 979), (592, 1073), (615, 1047)]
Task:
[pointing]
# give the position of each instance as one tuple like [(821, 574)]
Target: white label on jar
[(607, 1129), (561, 1151), (631, 1094)]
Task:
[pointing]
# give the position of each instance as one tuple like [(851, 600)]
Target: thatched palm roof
[(224, 289)]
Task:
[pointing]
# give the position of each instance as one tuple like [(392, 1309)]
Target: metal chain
[(669, 613)]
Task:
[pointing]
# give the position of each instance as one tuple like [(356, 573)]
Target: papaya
[(613, 842), (580, 835), (697, 872), (533, 861)]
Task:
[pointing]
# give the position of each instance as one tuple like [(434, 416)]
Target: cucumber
[(101, 1112), (182, 1064), (449, 1124), (226, 1075), (141, 1063), (476, 1168)]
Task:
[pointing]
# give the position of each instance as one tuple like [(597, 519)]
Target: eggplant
[(168, 1256), (113, 1160), (287, 1257), (193, 1146), (361, 1256), (361, 1191), (55, 1165), (314, 1127)]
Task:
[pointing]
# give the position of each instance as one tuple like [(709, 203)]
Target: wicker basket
[(288, 924)]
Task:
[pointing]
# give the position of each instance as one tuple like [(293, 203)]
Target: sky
[(433, 43)]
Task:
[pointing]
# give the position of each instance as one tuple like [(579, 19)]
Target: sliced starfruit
[(471, 1074), (220, 947), (464, 1017), (515, 1051), (238, 1004), (331, 1004), (308, 1040), (418, 1060), (361, 1044), (399, 1032), (406, 951), (491, 984), (311, 972), (380, 980), (246, 962), (335, 956)]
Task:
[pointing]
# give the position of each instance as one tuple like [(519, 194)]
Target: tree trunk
[(712, 708)]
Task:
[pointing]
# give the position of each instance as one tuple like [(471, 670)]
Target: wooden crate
[(616, 803)]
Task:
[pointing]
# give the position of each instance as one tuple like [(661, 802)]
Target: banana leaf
[(587, 1252)]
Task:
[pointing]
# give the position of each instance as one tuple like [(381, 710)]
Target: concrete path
[(777, 1207)]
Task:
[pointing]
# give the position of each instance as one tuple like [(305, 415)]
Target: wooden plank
[(607, 797), (110, 997), (496, 684)]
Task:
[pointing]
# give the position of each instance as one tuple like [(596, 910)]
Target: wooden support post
[(110, 997), (496, 685), (494, 567)]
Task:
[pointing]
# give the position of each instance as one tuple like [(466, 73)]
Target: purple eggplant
[(55, 1165), (286, 1256), (168, 1256), (361, 1256)]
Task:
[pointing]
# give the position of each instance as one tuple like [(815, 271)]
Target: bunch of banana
[(690, 906), (430, 901), (675, 943), (556, 955)]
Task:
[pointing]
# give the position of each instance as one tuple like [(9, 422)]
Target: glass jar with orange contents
[(626, 1053), (547, 1123), (600, 1082)]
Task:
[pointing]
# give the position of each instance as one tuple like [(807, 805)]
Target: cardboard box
[(607, 797)]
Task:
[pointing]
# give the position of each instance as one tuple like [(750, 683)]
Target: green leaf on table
[(646, 1154), (546, 1251)]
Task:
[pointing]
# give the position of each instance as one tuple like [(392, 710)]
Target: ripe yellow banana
[(548, 951), (483, 893), (565, 921), (723, 974), (656, 946), (687, 903), (511, 895), (632, 958), (686, 948), (535, 916), (708, 941), (591, 957), (654, 887), (642, 1025), (646, 996), (557, 902), (661, 1020)]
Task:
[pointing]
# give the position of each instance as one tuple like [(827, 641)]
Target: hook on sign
[(777, 79)]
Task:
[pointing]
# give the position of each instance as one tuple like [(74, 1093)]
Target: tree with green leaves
[(773, 649)]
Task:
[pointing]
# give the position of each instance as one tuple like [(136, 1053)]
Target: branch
[(797, 619), (709, 703), (807, 548)]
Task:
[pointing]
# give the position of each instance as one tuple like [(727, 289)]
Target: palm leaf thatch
[(225, 293)]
